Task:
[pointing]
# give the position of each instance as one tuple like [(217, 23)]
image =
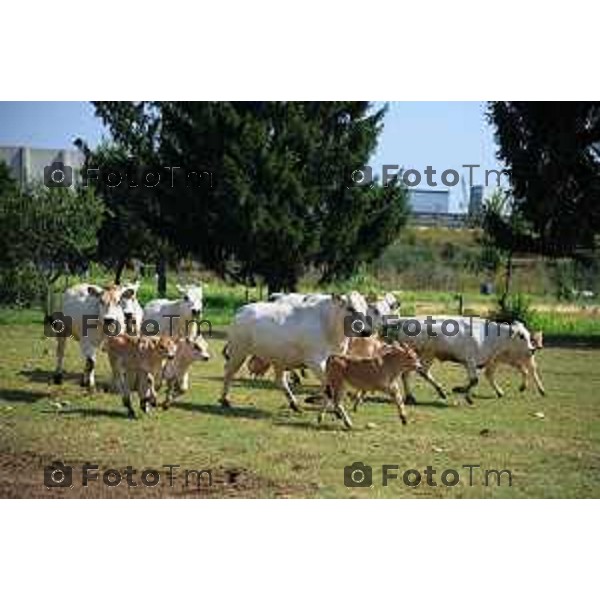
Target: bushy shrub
[(515, 307)]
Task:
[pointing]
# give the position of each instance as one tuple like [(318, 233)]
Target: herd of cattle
[(290, 332)]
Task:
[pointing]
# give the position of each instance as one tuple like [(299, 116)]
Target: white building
[(429, 201), (27, 164)]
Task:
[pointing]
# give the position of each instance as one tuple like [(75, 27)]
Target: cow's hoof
[(410, 399), (294, 406), (314, 399), (58, 378), (131, 416), (469, 401), (459, 389), (225, 402), (522, 388)]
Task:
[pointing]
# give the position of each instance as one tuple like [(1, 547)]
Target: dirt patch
[(22, 476)]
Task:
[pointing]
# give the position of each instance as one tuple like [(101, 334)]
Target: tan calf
[(176, 371), (137, 364), (379, 373), (365, 347), (521, 361)]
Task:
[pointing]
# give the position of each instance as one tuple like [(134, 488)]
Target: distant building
[(429, 201), (27, 164), (475, 200)]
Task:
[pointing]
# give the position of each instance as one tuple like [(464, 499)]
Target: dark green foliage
[(132, 223), (278, 200), (553, 151), (45, 233)]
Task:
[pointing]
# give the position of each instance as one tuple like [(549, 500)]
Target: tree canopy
[(263, 189), (553, 152)]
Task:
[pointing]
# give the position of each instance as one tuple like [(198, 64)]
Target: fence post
[(461, 304)]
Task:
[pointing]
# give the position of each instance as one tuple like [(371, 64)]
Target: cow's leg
[(425, 373), (184, 384), (396, 394), (126, 396), (536, 378), (333, 399), (61, 342), (490, 371), (232, 366), (317, 367), (281, 378), (358, 400), (89, 373), (471, 368), (409, 396), (341, 411)]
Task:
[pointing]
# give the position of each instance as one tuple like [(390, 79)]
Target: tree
[(553, 152), (272, 195), (45, 233), (130, 228)]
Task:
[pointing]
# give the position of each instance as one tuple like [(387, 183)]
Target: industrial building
[(27, 165)]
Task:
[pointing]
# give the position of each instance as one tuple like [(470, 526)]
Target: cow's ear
[(337, 298), (94, 290)]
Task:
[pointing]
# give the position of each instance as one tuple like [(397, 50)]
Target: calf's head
[(522, 339)]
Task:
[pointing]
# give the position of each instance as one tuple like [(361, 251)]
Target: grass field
[(261, 449)]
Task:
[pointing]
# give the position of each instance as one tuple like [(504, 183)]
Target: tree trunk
[(161, 271), (507, 281), (119, 271)]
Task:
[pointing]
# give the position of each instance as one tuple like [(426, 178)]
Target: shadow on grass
[(26, 396), (244, 412), (578, 342), (327, 425), (90, 412), (43, 376)]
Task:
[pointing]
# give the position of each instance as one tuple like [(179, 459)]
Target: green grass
[(286, 454)]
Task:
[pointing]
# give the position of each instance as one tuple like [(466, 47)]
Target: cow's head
[(353, 306), (108, 298), (391, 301), (129, 302), (538, 339), (199, 348), (522, 337), (192, 297)]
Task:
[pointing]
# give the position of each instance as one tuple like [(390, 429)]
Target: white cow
[(473, 342), (290, 335), (92, 311), (177, 317), (380, 310)]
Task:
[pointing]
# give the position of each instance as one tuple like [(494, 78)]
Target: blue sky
[(444, 135)]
